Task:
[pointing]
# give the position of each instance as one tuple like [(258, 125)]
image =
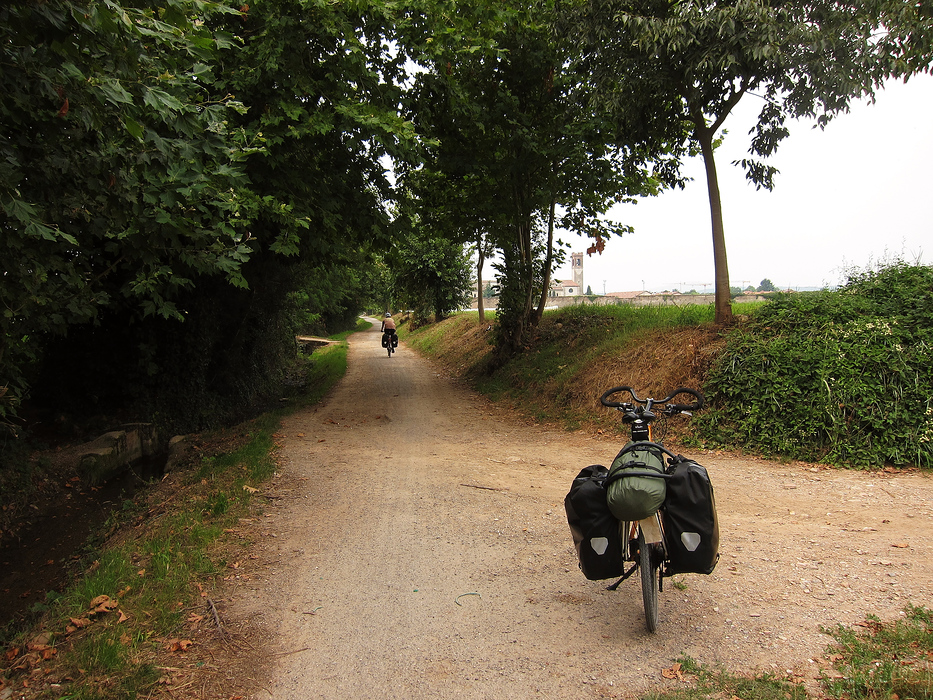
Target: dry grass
[(661, 361), (572, 361)]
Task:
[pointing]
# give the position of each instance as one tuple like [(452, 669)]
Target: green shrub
[(844, 377)]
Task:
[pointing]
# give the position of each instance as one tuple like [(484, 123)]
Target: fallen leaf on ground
[(174, 645), (46, 651), (673, 672), (102, 604)]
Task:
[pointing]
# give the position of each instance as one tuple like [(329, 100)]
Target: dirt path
[(418, 548)]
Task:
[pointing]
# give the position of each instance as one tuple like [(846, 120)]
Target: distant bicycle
[(390, 340)]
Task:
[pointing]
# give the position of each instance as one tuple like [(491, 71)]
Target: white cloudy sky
[(859, 192)]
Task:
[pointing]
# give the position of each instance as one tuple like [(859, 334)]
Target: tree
[(332, 296), (766, 286), (321, 88), (120, 179), (503, 126), (432, 275), (484, 250), (663, 64), (448, 207), (318, 84), (167, 227)]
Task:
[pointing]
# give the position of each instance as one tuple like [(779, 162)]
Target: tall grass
[(553, 379), (843, 377)]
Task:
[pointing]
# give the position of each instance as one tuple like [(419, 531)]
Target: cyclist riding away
[(388, 331)]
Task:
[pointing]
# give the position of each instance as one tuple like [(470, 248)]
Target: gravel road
[(417, 547)]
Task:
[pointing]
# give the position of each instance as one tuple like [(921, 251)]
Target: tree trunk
[(721, 267), (480, 259), (526, 267), (528, 315), (549, 256)]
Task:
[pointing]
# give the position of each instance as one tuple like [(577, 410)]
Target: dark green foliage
[(222, 364), (332, 297), (161, 242), (316, 79), (118, 176), (844, 377)]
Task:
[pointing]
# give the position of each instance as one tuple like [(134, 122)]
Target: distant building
[(570, 288), (565, 288), (576, 266)]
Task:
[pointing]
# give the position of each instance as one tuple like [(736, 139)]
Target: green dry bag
[(635, 485)]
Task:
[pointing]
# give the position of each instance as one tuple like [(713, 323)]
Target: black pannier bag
[(691, 526), (594, 529)]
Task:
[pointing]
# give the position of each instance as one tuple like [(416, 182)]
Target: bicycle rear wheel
[(649, 563)]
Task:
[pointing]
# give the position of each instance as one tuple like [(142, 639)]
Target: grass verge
[(873, 660), (883, 660), (701, 681)]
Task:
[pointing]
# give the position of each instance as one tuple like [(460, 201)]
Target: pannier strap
[(646, 445), (625, 471)]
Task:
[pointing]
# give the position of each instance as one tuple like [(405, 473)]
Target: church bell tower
[(576, 264)]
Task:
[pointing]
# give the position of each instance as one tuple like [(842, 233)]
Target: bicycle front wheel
[(649, 563)]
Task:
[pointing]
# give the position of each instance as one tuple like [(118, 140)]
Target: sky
[(848, 197)]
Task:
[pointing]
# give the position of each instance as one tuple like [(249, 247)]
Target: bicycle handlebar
[(649, 402)]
